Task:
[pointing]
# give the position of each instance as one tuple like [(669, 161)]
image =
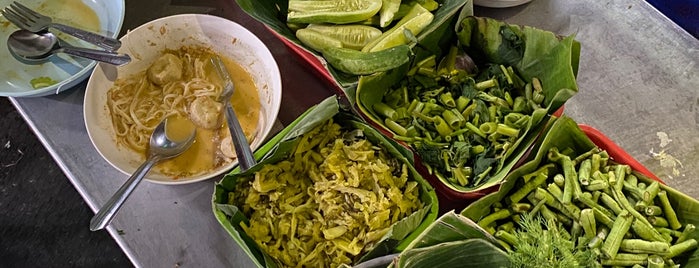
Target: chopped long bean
[(643, 246), (615, 215), (669, 211), (616, 235), (682, 247), (587, 220), (688, 230)]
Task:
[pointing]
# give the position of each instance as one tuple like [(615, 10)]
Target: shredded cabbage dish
[(329, 202)]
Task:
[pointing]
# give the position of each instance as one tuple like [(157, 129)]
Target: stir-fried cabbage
[(329, 202)]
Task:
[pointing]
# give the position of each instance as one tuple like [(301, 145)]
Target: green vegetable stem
[(453, 111), (600, 225)]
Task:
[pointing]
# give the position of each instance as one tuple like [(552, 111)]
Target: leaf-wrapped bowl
[(273, 15), (279, 148), (530, 52), (567, 136)]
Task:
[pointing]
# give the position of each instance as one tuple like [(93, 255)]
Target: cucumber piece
[(405, 6), (316, 40), (415, 21), (295, 26), (360, 63), (332, 11), (351, 36), (388, 10), (430, 5), (373, 21)]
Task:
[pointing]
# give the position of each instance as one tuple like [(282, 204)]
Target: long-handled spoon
[(164, 143), (38, 47)]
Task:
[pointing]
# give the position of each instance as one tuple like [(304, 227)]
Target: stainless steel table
[(638, 76)]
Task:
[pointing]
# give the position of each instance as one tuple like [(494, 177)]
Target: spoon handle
[(98, 55), (106, 42), (242, 148), (107, 212)]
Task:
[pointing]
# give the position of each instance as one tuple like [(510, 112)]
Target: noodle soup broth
[(183, 82), (168, 91)]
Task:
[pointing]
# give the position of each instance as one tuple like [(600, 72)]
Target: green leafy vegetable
[(462, 144), (496, 107)]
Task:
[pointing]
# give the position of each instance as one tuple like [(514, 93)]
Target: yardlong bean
[(624, 221)]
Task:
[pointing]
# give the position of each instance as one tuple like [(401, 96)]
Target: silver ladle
[(38, 47), (161, 147)]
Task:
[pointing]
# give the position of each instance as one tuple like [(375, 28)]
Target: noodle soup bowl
[(146, 44)]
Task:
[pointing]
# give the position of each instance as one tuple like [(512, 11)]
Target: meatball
[(205, 112), (166, 69), (226, 146)]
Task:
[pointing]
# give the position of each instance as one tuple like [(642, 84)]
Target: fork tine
[(14, 18), (25, 10)]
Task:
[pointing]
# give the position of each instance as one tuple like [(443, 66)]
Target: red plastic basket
[(452, 200), (448, 198), (312, 61), (615, 152)]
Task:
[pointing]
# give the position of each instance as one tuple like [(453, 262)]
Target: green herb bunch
[(542, 243)]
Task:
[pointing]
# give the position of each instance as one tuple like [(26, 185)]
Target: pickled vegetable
[(329, 202)]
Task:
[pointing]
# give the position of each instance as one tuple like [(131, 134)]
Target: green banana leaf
[(280, 147), (532, 52), (453, 241), (542, 54), (565, 133), (273, 15)]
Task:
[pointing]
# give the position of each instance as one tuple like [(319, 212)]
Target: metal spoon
[(162, 146), (38, 47)]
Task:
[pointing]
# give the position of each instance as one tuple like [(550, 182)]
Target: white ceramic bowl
[(105, 17), (145, 44)]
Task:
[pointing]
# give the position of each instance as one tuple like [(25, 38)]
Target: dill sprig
[(540, 243)]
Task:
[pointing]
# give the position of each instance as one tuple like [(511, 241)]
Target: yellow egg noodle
[(329, 202), (139, 102)]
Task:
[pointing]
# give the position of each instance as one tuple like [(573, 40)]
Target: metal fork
[(246, 159), (31, 20)]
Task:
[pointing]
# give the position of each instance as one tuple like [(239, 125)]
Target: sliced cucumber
[(351, 36), (316, 40), (405, 6), (361, 63), (388, 10), (332, 11), (415, 21)]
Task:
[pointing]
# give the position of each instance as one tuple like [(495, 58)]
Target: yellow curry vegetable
[(329, 202)]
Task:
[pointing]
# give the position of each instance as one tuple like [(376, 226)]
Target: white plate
[(145, 44), (105, 17)]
